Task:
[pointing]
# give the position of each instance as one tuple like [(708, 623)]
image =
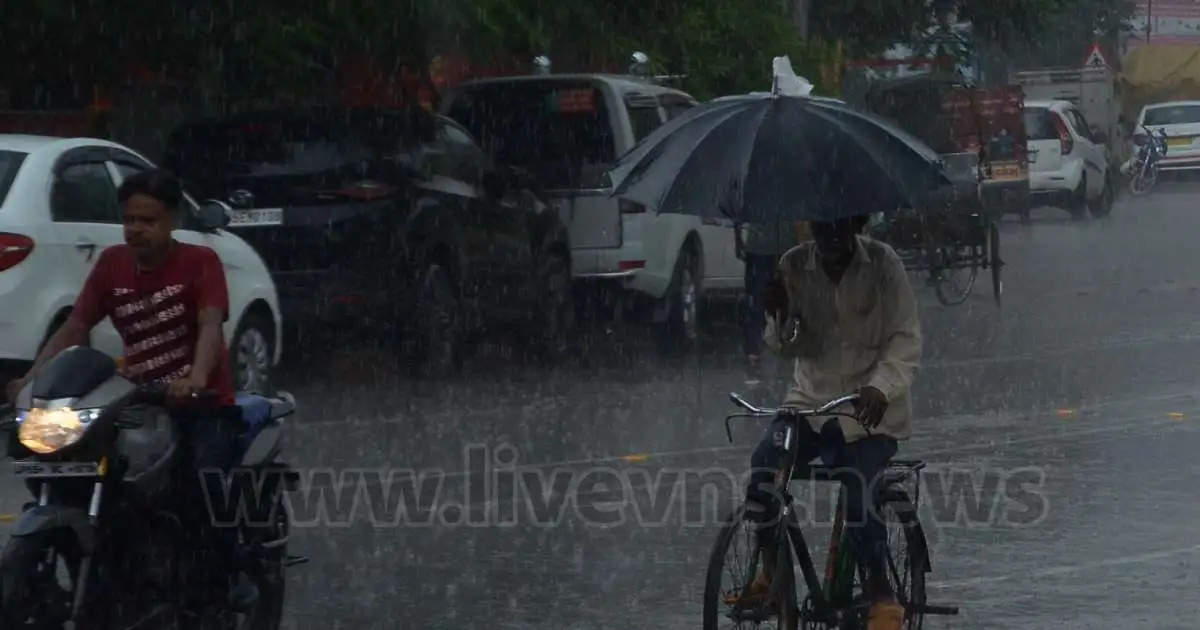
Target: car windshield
[(559, 131), (1173, 115), (10, 163)]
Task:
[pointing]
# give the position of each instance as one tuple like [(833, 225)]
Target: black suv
[(393, 220)]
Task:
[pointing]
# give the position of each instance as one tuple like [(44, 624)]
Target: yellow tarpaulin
[(1159, 72)]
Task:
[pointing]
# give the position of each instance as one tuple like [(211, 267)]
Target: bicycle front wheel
[(732, 566)]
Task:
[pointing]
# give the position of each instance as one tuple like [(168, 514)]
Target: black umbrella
[(766, 157)]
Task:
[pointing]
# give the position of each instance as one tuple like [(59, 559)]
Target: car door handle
[(86, 246)]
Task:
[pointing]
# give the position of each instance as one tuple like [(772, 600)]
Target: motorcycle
[(1142, 168), (104, 458)]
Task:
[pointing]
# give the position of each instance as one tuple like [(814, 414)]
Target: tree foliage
[(290, 49)]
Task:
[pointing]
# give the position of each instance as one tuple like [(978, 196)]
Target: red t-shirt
[(156, 311)]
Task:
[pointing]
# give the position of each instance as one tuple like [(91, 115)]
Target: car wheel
[(556, 307), (1104, 205), (253, 351), (1079, 201), (438, 324), (681, 330)]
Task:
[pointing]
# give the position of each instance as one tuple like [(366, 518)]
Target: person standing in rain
[(760, 249), (847, 315)]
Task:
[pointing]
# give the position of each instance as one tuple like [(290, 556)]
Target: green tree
[(1046, 32)]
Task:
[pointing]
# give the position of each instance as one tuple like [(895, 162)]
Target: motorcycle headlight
[(45, 431)]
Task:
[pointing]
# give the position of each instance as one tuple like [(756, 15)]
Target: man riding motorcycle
[(168, 300)]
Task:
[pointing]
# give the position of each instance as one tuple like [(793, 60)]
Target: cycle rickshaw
[(951, 237)]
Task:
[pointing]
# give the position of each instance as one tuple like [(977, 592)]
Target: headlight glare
[(45, 431)]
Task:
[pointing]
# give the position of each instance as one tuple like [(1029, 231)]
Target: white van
[(566, 130)]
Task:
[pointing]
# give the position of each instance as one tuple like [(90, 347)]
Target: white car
[(59, 210), (1180, 121), (1068, 160), (567, 130)]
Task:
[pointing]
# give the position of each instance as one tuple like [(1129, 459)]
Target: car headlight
[(45, 431)]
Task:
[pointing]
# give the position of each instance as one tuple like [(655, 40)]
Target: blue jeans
[(213, 444), (862, 462), (760, 269)]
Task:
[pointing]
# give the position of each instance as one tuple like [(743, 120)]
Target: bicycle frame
[(832, 591)]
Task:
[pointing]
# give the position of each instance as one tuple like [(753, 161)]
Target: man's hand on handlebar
[(184, 389), (871, 406)]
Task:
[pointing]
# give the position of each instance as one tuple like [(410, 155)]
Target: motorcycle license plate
[(56, 469)]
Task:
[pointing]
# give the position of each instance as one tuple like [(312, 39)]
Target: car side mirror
[(215, 214)]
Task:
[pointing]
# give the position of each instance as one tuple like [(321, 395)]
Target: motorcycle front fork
[(85, 562)]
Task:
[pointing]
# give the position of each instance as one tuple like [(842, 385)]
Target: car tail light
[(13, 249), (1064, 135), (630, 265), (631, 207)]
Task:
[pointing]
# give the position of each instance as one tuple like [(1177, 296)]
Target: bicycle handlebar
[(760, 412), (792, 411)]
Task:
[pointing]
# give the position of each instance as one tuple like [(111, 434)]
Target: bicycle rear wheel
[(908, 562), (732, 565)]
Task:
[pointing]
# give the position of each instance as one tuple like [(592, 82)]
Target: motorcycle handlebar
[(156, 394), (150, 394)]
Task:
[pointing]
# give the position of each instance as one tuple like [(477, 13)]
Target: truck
[(975, 129)]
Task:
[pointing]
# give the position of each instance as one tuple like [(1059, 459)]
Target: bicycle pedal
[(751, 615)]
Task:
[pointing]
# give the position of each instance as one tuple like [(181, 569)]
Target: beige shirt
[(862, 331)]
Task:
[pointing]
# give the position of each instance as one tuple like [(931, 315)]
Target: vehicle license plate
[(257, 216), (56, 469), (1006, 171)]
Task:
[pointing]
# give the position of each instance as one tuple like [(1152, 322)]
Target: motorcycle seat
[(258, 409), (261, 414)]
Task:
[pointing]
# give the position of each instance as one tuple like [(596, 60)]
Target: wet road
[(1060, 432)]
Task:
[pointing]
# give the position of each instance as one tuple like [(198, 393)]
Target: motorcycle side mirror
[(214, 214)]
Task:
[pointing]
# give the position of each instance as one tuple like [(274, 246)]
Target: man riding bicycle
[(168, 301), (847, 315)]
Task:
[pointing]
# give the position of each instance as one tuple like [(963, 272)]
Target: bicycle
[(837, 601)]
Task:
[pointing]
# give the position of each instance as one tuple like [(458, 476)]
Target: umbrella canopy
[(762, 158)]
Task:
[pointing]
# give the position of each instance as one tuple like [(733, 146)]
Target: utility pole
[(1149, 15), (800, 10)]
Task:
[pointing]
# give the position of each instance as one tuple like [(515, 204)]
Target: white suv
[(1068, 160), (59, 210), (566, 131)]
